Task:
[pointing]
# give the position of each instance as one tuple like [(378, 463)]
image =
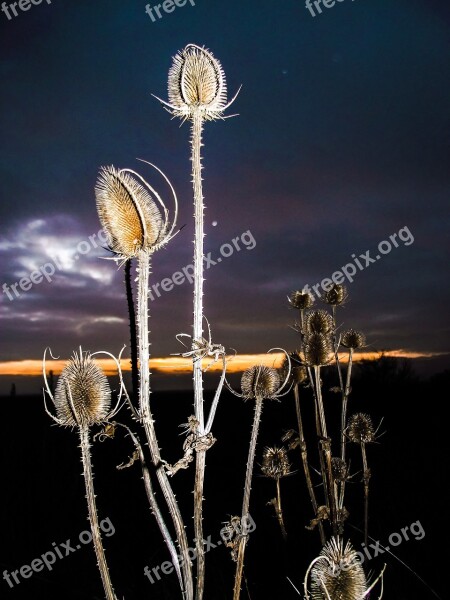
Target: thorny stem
[(325, 448), (246, 499), (279, 510), (304, 455), (336, 353), (92, 508), (196, 142), (148, 423), (345, 395), (133, 332), (366, 479), (153, 502)]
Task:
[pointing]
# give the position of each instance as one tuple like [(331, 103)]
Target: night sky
[(341, 141)]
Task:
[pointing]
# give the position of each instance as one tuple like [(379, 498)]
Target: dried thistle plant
[(337, 574), (82, 399), (138, 223), (197, 91), (258, 383), (275, 465)]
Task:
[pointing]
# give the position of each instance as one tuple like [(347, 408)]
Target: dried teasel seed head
[(353, 339), (339, 469), (298, 372), (338, 574), (197, 83), (82, 395), (128, 213), (337, 295), (275, 463), (301, 300), (360, 429), (317, 349), (260, 383), (319, 321)]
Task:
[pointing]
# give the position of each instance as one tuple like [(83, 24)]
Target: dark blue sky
[(342, 140)]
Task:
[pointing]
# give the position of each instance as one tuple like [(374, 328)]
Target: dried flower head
[(338, 574), (317, 349), (360, 429), (353, 339), (197, 84), (82, 395), (319, 321), (298, 372), (260, 382), (337, 295), (301, 300), (339, 469), (130, 216), (275, 462)]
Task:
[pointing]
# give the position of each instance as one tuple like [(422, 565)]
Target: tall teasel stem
[(137, 223), (93, 518), (148, 422), (200, 463), (246, 499), (345, 395), (197, 91)]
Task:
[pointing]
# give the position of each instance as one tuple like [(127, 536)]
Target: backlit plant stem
[(196, 142), (304, 455), (148, 423), (345, 395), (93, 518), (366, 479), (246, 500)]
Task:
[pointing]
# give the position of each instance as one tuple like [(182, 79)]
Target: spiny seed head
[(319, 321), (360, 429), (317, 349), (353, 339), (339, 469), (275, 462), (260, 383), (338, 574), (337, 295), (82, 395), (301, 300), (298, 372), (197, 83), (128, 213)]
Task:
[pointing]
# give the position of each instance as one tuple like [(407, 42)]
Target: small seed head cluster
[(275, 462), (339, 469), (301, 300), (319, 321), (336, 296), (298, 372), (353, 339), (360, 429), (317, 349), (83, 394), (338, 575), (260, 383)]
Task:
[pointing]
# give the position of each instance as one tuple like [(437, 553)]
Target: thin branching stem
[(345, 395), (154, 507), (304, 456), (246, 499), (148, 423), (93, 518), (366, 479), (279, 510)]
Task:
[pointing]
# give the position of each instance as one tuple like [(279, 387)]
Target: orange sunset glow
[(179, 365)]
